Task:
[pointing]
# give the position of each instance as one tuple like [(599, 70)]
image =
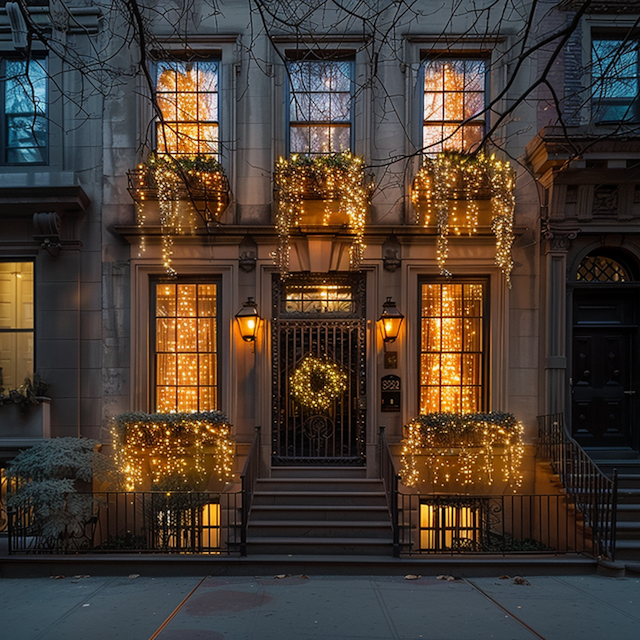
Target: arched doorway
[(605, 368)]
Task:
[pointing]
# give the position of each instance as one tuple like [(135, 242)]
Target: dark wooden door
[(604, 369)]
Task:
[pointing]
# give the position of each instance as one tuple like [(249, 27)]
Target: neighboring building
[(89, 297)]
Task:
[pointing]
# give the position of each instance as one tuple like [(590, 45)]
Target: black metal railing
[(248, 478), (497, 524), (594, 494), (188, 522), (390, 479)]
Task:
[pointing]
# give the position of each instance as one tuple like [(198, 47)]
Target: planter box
[(21, 428)]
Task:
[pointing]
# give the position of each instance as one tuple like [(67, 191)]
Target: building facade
[(162, 171)]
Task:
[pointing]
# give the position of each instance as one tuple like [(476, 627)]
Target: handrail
[(390, 480), (594, 493), (248, 479)]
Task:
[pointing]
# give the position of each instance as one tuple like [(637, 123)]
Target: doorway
[(318, 355), (605, 367)]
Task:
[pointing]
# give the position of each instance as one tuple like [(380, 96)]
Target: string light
[(460, 447), (178, 181), (173, 445), (316, 383), (441, 181), (335, 177)]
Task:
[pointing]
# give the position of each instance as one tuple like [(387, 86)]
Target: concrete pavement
[(588, 607)]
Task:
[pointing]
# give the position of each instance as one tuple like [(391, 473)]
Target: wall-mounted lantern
[(248, 320), (391, 320)]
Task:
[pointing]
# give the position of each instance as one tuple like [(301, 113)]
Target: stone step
[(372, 529), (608, 453), (330, 471), (628, 496), (628, 512), (320, 546), (319, 484), (319, 513), (306, 498), (628, 530), (628, 550)]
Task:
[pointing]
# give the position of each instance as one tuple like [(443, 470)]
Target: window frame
[(605, 104), (485, 367), (195, 57), (45, 151), (156, 280), (32, 330), (346, 56), (468, 55)]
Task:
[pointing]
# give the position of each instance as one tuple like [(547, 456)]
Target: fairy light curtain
[(452, 349), (186, 347)]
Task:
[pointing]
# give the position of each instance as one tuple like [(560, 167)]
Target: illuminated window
[(319, 299), (186, 347), (187, 94), (320, 106), (454, 103), (16, 323), (602, 268), (24, 107), (614, 77), (452, 347), (446, 527)]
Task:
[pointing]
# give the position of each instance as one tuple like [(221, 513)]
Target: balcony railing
[(593, 493)]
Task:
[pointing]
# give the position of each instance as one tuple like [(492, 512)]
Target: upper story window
[(24, 110), (614, 78), (454, 104), (16, 323), (187, 94), (320, 106)]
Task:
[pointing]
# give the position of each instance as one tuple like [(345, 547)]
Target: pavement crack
[(509, 613), (385, 611)]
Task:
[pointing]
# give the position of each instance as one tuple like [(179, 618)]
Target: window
[(454, 103), (187, 94), (186, 346), (16, 323), (452, 360), (614, 76), (24, 103), (320, 101)]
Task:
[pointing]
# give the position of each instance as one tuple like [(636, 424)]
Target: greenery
[(188, 164), (46, 478), (28, 393)]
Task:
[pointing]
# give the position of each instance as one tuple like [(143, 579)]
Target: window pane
[(16, 323), (454, 91), (320, 92), (451, 359), (186, 347), (188, 99)]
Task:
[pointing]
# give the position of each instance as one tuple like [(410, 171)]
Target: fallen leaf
[(446, 577), (81, 576), (411, 576), (505, 577), (282, 575), (521, 580), (57, 577), (304, 577), (133, 576)]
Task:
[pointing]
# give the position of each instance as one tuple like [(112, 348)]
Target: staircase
[(627, 462), (319, 511)]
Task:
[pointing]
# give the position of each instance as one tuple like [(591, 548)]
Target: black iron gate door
[(318, 372)]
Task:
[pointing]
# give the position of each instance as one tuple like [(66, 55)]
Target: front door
[(604, 369), (318, 348)]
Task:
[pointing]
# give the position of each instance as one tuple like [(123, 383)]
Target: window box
[(201, 181), (22, 424)]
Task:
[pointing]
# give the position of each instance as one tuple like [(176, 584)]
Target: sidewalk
[(320, 607)]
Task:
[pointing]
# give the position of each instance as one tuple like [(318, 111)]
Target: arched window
[(602, 267)]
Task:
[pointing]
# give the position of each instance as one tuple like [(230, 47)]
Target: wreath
[(317, 383)]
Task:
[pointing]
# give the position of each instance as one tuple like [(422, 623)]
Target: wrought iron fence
[(189, 522), (593, 493), (497, 524)]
